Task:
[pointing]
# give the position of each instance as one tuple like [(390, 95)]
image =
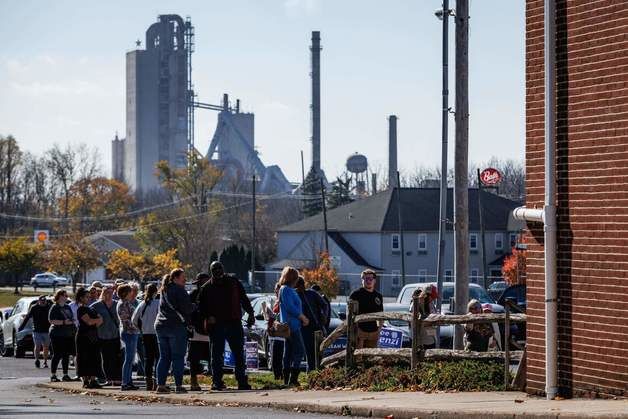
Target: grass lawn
[(8, 299), (259, 381)]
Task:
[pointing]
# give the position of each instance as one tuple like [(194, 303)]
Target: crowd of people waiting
[(107, 327)]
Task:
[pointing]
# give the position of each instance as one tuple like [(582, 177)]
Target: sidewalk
[(381, 404)]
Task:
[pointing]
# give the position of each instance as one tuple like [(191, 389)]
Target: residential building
[(106, 242), (365, 234)]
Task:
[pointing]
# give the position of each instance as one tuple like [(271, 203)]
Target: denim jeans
[(172, 346), (293, 350), (130, 348), (233, 334)]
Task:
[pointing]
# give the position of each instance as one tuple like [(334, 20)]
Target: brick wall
[(592, 164)]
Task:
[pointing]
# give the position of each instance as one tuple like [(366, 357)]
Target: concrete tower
[(117, 158), (315, 49), (157, 103), (392, 151)]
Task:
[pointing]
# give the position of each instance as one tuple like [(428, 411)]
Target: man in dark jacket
[(314, 309), (39, 313), (221, 302), (198, 348), (318, 289)]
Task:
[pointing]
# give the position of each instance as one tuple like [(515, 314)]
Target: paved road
[(20, 398)]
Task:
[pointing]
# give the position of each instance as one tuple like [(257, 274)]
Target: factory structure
[(160, 107), (160, 114)]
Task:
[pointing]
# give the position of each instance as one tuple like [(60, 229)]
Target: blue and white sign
[(390, 338), (336, 346), (251, 356)]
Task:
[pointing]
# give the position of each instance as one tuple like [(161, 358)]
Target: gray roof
[(420, 212)]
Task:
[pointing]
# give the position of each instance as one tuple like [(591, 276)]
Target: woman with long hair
[(129, 334), (62, 332), (291, 312), (144, 318), (173, 319), (87, 353)]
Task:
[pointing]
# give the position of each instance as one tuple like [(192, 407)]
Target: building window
[(422, 243), (422, 275), (395, 243), (449, 275), (473, 241), (513, 240), (475, 275), (395, 278), (499, 242)]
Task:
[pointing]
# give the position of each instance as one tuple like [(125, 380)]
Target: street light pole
[(442, 227)]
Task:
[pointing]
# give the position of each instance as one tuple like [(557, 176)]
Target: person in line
[(41, 339), (427, 306), (369, 301), (135, 290), (291, 313), (221, 302), (117, 284), (128, 334), (109, 336), (171, 327), (62, 331), (94, 294), (87, 353), (314, 309), (477, 335), (198, 349), (327, 312), (144, 318), (271, 314)]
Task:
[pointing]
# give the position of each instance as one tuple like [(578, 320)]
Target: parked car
[(14, 342), (340, 308), (517, 294), (446, 332), (49, 279), (496, 289)]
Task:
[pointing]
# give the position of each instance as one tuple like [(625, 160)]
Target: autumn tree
[(18, 258), (324, 275), (100, 199), (72, 255), (141, 267), (514, 267)]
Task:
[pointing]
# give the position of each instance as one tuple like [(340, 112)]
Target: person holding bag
[(171, 326), (291, 313), (109, 337), (129, 333), (87, 353)]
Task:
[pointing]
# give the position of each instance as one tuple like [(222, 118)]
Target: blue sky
[(62, 74)]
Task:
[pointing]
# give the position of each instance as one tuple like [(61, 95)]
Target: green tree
[(18, 258), (340, 193), (312, 199)]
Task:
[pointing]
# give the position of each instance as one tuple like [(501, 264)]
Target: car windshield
[(448, 292)]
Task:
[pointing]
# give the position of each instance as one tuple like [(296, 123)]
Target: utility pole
[(324, 216), (254, 234), (461, 184), (442, 226), (401, 241), (302, 172), (482, 235)]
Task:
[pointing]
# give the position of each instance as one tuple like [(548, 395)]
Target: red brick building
[(592, 187)]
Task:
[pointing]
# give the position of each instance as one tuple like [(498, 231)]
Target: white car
[(13, 341), (48, 279)]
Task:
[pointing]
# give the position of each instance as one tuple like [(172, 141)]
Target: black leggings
[(151, 354), (62, 348)]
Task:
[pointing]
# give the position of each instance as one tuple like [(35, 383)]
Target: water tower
[(357, 165)]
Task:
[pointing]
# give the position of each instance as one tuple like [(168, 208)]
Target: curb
[(348, 409)]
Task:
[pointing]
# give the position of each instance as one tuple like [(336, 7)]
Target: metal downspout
[(548, 214)]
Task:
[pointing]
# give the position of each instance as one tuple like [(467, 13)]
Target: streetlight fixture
[(443, 15)]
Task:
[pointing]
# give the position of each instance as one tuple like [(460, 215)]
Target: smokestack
[(315, 49), (225, 102), (392, 151)]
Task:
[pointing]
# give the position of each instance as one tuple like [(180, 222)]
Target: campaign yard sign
[(251, 356), (390, 338), (336, 346)]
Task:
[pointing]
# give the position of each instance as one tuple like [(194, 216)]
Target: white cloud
[(65, 88), (295, 8)]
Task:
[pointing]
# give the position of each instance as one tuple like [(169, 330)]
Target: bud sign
[(490, 177)]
